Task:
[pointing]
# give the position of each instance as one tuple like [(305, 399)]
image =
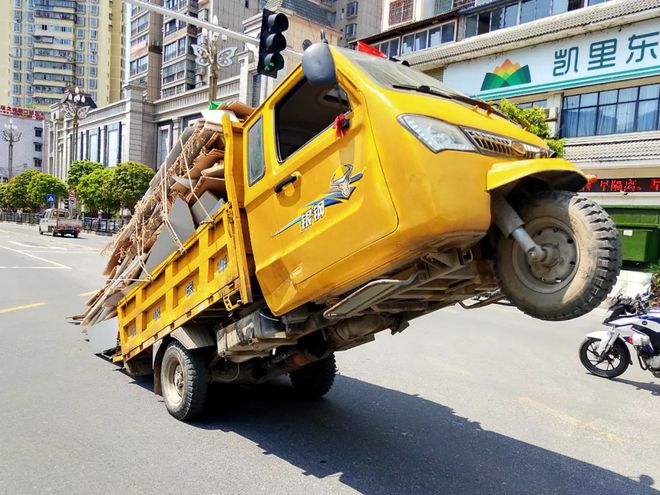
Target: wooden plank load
[(185, 192)]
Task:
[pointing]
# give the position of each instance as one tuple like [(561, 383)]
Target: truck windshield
[(391, 74)]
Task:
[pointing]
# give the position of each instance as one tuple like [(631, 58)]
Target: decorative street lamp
[(76, 106), (208, 55), (12, 135)]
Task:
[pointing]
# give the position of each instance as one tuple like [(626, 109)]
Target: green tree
[(3, 194), (534, 120), (17, 192), (42, 184), (78, 169), (95, 190), (130, 183)]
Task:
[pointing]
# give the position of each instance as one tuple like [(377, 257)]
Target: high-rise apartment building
[(162, 58), (356, 18), (53, 44)]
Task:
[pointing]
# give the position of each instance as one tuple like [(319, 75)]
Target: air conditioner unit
[(551, 113)]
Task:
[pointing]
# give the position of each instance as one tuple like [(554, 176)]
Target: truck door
[(316, 194)]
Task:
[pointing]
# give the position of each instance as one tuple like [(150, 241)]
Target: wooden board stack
[(185, 192)]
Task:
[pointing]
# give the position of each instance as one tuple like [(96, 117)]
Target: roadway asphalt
[(481, 402)]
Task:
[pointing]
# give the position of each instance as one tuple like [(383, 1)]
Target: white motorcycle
[(604, 353)]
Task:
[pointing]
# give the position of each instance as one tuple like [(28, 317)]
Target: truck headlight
[(436, 134)]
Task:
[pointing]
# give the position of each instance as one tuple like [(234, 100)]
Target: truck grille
[(492, 144)]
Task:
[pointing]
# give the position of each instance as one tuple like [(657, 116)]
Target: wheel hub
[(178, 380), (560, 255)]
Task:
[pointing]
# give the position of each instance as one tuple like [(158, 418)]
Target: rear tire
[(184, 381), (588, 252), (75, 235), (316, 379), (617, 357)]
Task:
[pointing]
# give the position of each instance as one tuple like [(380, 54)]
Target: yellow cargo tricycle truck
[(360, 195)]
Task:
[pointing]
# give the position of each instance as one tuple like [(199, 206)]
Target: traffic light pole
[(204, 24)]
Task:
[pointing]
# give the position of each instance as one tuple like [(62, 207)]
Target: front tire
[(613, 365), (184, 382), (316, 379), (586, 251)]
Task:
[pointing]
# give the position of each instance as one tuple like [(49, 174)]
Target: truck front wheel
[(184, 381), (584, 257), (315, 380)]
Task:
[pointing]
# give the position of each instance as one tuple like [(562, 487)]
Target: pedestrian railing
[(107, 226), (12, 216)]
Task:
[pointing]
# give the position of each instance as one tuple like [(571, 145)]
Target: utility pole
[(12, 135)]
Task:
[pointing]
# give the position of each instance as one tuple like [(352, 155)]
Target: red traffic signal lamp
[(271, 43)]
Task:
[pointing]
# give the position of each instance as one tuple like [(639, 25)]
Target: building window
[(390, 48), (421, 40), (401, 11), (37, 147), (37, 162), (518, 12), (38, 132), (139, 65), (93, 146), (113, 145), (256, 90), (140, 24), (351, 31), (351, 9), (94, 23), (530, 104), (95, 10), (163, 143), (611, 112)]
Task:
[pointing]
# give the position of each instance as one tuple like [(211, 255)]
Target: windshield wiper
[(453, 96)]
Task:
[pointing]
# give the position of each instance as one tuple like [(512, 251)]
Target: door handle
[(285, 182)]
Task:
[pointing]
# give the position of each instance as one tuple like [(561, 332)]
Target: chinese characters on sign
[(313, 215), (22, 113), (602, 53), (625, 185)]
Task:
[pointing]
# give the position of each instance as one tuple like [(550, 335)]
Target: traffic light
[(271, 43)]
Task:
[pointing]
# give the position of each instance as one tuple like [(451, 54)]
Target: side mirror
[(318, 65)]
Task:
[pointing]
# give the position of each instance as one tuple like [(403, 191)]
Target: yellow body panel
[(504, 173), (212, 270)]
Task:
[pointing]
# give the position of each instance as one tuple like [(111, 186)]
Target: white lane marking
[(33, 247), (37, 258), (35, 267)]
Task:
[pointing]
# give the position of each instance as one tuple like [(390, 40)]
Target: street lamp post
[(12, 135), (208, 55), (76, 106)]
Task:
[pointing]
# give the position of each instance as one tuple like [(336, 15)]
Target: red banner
[(21, 113)]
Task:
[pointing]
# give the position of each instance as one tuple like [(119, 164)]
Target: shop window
[(612, 112)]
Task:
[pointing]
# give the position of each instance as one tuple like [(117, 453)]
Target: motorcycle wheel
[(587, 257), (614, 364)]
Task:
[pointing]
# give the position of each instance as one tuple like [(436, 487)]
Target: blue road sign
[(50, 198)]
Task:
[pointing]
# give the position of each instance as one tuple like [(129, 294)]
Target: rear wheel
[(316, 379), (583, 264), (75, 234), (611, 366), (184, 381)]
